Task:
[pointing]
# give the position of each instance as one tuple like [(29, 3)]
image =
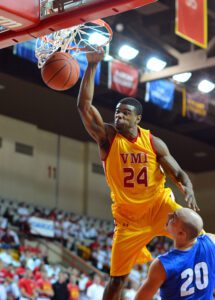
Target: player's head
[(44, 274), (73, 279), (128, 113), (132, 102), (28, 273), (97, 279), (184, 224)]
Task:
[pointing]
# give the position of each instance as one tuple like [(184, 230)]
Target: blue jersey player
[(188, 271)]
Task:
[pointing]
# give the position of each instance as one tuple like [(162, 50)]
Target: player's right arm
[(156, 277), (90, 116)]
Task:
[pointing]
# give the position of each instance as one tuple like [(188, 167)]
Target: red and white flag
[(192, 22), (123, 78)]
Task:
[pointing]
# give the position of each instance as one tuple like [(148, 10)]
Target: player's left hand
[(190, 198)]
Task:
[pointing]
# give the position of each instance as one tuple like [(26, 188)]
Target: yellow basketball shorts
[(132, 234)]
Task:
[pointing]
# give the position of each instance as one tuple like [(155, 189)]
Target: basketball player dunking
[(134, 161)]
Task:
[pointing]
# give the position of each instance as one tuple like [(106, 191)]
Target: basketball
[(61, 71)]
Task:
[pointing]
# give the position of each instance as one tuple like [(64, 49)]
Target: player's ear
[(139, 117), (182, 234)]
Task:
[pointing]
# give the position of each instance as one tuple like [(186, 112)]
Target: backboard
[(28, 19)]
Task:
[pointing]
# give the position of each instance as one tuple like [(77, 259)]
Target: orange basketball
[(61, 71)]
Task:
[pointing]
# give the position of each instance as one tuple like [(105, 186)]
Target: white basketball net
[(75, 38)]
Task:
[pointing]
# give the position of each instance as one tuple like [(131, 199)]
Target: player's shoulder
[(159, 146), (156, 264), (157, 140), (207, 238), (107, 141), (110, 131), (210, 236), (110, 127), (157, 269)]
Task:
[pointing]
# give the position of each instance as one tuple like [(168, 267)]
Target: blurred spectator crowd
[(88, 237)]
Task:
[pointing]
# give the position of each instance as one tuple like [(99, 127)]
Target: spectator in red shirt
[(20, 271), (44, 287), (3, 278), (12, 288), (3, 273), (27, 286), (53, 214), (74, 292)]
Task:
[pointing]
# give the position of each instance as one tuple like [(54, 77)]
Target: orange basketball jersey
[(132, 171)]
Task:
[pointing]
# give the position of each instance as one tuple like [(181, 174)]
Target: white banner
[(42, 227), (3, 223)]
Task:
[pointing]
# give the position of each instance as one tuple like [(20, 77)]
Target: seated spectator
[(91, 233), (82, 283), (9, 213), (6, 257), (95, 290), (30, 259), (99, 256), (66, 224), (58, 230), (53, 214), (131, 290), (12, 287), (3, 272), (27, 286), (3, 223), (83, 250), (23, 213), (135, 275), (20, 271), (73, 288), (60, 287), (44, 287), (5, 281), (10, 239), (3, 293)]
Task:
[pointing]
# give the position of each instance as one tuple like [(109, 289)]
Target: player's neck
[(132, 133), (183, 246)]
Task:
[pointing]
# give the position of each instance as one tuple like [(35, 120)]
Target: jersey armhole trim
[(165, 270), (104, 160), (152, 142)]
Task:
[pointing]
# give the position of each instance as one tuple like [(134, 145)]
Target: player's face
[(173, 223), (125, 117)]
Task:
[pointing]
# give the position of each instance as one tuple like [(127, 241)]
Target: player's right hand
[(95, 56)]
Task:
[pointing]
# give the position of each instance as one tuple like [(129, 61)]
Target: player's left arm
[(156, 277), (173, 169)]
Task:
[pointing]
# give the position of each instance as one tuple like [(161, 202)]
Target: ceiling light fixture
[(108, 57), (183, 77), (206, 86), (119, 27), (97, 39), (155, 64), (127, 53), (200, 154)]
